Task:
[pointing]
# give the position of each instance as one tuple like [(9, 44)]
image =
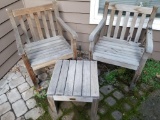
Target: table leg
[(94, 109)]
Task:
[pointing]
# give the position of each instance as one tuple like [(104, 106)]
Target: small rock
[(111, 101), (23, 87), (13, 95), (44, 84), (8, 116), (140, 93), (31, 103), (68, 116), (43, 76), (4, 89), (15, 82), (102, 110), (5, 107), (107, 89), (126, 88), (3, 98), (66, 105), (19, 107), (28, 79), (117, 115), (79, 103), (27, 94), (127, 107), (34, 113), (3, 82), (118, 95), (101, 97), (144, 86)]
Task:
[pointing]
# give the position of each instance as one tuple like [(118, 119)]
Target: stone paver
[(31, 103), (23, 87), (34, 113), (17, 75), (3, 82), (28, 94), (44, 84), (3, 98), (5, 107), (68, 116), (4, 89), (107, 89), (43, 76), (21, 118), (127, 107), (28, 79), (110, 100), (19, 107), (118, 95), (117, 115), (8, 116), (102, 110), (15, 82), (101, 97), (9, 76), (13, 95)]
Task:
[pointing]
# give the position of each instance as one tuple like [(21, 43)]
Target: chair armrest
[(67, 28), (149, 41), (97, 30)]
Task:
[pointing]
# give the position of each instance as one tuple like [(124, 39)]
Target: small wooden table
[(74, 81)]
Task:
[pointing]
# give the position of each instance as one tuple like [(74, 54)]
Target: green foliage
[(42, 94)]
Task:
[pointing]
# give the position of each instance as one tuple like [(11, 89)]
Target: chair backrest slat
[(45, 24), (50, 16), (117, 24), (111, 23), (130, 34), (140, 27), (39, 29), (125, 22), (24, 28)]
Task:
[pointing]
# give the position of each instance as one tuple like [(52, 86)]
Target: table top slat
[(62, 79), (78, 79), (70, 79), (86, 90), (55, 78)]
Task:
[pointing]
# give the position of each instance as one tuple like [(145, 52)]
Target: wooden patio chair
[(120, 45), (47, 43)]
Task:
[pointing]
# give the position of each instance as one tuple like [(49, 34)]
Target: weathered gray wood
[(51, 23), (149, 41), (78, 79), (94, 109), (94, 79), (55, 78), (70, 78), (63, 78), (111, 23), (86, 89), (52, 103)]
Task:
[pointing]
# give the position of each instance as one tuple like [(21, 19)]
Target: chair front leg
[(91, 47), (74, 48)]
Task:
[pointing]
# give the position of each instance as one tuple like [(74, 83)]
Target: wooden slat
[(86, 89), (111, 23), (45, 24), (78, 79), (24, 29), (51, 23), (132, 27), (55, 78), (38, 26), (34, 36), (140, 27), (71, 78), (94, 79), (62, 78), (117, 24), (125, 25)]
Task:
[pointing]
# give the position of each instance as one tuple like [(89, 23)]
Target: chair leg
[(94, 109), (30, 70), (52, 104)]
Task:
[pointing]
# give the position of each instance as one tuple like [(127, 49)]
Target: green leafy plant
[(42, 94)]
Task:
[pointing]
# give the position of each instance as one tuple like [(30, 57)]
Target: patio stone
[(28, 79), (21, 118), (102, 110), (127, 107), (43, 76), (118, 95), (126, 88), (44, 84), (68, 116), (9, 76), (107, 89), (27, 94), (3, 98), (23, 87), (4, 89), (101, 97), (13, 95), (19, 107), (17, 75), (8, 116), (5, 107), (3, 82), (34, 113), (66, 105), (15, 82), (111, 101), (117, 115), (31, 103)]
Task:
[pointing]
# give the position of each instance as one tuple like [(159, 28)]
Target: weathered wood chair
[(48, 43), (122, 46)]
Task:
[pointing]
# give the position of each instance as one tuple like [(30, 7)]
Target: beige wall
[(8, 49)]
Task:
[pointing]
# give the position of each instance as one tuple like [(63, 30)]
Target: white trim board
[(95, 17)]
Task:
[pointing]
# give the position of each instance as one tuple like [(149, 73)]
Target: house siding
[(8, 50)]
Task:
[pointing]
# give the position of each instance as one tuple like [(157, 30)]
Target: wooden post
[(94, 109)]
